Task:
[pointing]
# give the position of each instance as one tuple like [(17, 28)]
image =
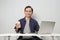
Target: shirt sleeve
[(18, 28), (37, 26)]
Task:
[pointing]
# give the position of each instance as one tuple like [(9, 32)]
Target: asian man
[(27, 24)]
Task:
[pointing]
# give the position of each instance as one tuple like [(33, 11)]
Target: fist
[(18, 25)]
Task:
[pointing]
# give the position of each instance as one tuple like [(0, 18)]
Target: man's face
[(28, 12)]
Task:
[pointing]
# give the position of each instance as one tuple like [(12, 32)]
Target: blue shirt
[(33, 24)]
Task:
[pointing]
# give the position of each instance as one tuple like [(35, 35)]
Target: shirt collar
[(25, 19)]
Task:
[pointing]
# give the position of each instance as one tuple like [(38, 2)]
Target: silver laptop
[(46, 27)]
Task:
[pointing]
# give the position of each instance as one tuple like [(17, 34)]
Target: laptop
[(46, 27)]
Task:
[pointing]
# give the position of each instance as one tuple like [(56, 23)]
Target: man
[(27, 24)]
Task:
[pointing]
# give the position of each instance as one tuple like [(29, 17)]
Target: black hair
[(29, 7)]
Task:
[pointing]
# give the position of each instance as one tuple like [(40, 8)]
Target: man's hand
[(18, 25)]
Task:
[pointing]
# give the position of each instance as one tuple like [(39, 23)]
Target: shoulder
[(34, 20), (22, 19)]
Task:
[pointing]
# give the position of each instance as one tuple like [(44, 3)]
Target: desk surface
[(18, 34)]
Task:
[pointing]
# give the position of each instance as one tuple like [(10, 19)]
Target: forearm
[(16, 30)]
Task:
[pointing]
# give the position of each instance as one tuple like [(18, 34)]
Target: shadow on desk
[(33, 38)]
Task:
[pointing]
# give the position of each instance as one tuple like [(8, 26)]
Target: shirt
[(33, 24), (27, 28)]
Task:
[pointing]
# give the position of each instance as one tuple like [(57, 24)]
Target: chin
[(28, 16)]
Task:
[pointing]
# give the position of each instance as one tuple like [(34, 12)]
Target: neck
[(27, 18)]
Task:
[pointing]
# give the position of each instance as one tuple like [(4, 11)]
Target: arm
[(17, 26), (36, 27)]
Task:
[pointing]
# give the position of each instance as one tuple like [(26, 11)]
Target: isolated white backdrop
[(13, 10)]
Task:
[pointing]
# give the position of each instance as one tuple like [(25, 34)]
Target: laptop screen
[(46, 27)]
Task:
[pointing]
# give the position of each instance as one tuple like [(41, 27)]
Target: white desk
[(38, 35)]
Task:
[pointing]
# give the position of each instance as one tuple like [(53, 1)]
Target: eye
[(30, 11)]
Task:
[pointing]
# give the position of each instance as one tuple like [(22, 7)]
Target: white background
[(13, 10)]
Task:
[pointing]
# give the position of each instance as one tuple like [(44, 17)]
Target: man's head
[(28, 11)]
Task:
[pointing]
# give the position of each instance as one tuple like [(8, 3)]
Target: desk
[(38, 35)]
